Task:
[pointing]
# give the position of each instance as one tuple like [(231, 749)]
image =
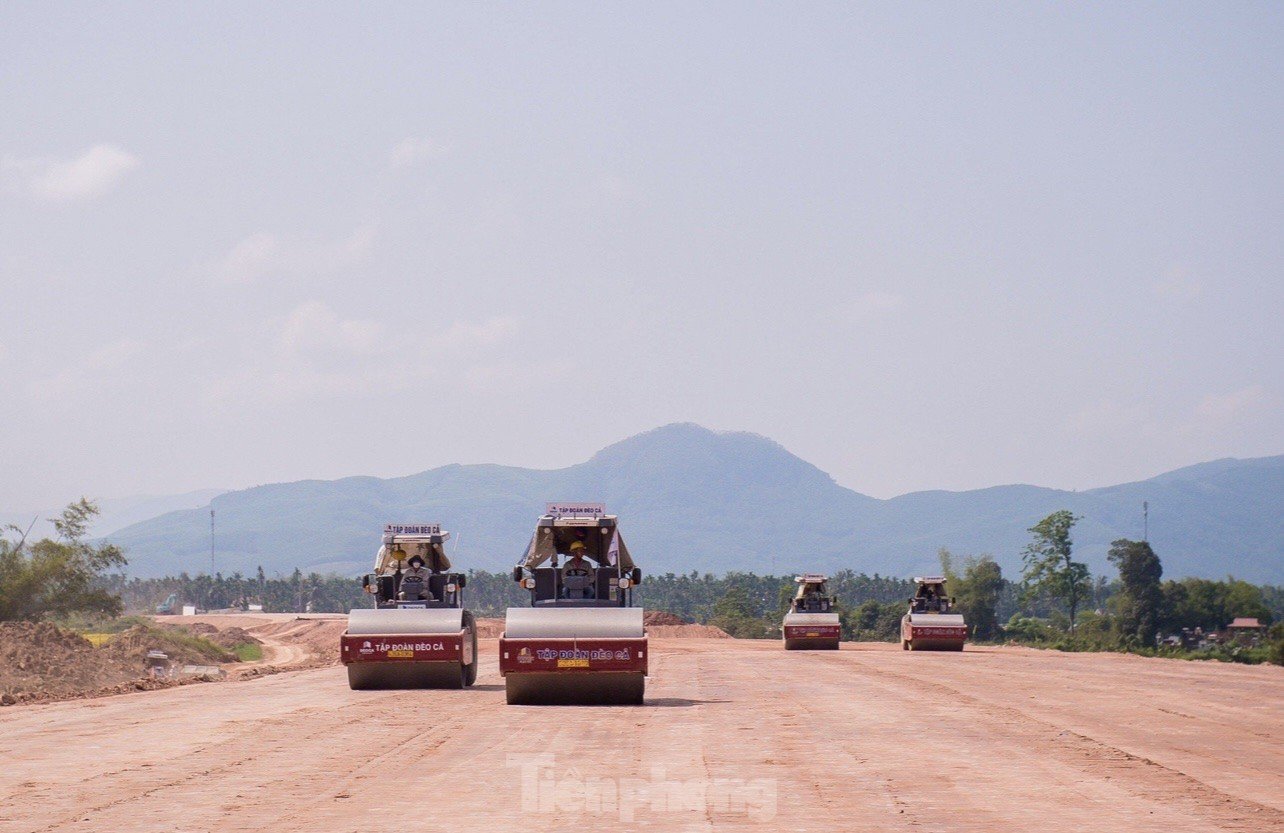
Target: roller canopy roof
[(428, 546), (600, 535)]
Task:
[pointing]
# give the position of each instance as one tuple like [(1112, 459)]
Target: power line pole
[(211, 542)]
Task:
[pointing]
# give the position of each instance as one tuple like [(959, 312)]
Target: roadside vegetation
[(1119, 614), (1055, 603), (57, 577), (64, 591)]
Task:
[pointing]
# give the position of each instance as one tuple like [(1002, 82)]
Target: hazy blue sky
[(921, 245)]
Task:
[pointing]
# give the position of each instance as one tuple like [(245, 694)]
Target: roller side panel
[(386, 648), (572, 656), (921, 637), (811, 637)]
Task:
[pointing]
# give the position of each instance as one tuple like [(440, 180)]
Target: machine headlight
[(451, 588), (528, 583), (625, 584)]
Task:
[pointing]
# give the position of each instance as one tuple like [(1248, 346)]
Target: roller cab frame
[(581, 641), (419, 634), (812, 623), (931, 624)]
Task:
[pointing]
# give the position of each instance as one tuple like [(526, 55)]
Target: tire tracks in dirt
[(1139, 775)]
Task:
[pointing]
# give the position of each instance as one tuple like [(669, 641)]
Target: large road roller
[(812, 623), (581, 641), (418, 635), (931, 623)]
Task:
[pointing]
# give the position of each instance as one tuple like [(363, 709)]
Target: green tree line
[(1055, 600)]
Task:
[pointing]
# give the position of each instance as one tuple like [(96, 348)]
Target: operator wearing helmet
[(577, 574), (417, 576)]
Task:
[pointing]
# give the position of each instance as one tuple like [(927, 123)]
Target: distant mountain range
[(694, 499), (114, 513)]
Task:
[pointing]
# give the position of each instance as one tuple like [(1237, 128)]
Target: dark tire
[(369, 676), (470, 670), (804, 644), (904, 644), (545, 689)]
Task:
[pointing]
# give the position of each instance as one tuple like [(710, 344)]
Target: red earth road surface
[(736, 735)]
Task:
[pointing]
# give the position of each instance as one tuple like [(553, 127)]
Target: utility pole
[(1145, 521), (211, 542)]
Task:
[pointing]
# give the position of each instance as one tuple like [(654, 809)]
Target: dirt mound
[(42, 661), (489, 628), (232, 637), (16, 636), (662, 617), (687, 632), (227, 638), (181, 646), (665, 625)]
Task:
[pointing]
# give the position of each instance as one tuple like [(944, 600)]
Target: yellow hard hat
[(577, 545)]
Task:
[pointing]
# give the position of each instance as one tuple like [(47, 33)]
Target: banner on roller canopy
[(575, 510), (412, 529)]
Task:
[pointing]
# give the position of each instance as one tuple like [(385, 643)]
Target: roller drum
[(364, 676), (803, 619), (938, 620), (592, 688), (410, 622), (936, 643), (811, 643), (406, 621), (574, 623)]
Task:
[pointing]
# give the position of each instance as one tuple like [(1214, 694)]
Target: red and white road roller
[(581, 641), (931, 623), (418, 635), (812, 622)]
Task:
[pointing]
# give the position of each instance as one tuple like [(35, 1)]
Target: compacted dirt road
[(736, 735)]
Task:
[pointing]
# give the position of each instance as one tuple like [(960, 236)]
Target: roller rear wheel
[(589, 689), (470, 670)]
